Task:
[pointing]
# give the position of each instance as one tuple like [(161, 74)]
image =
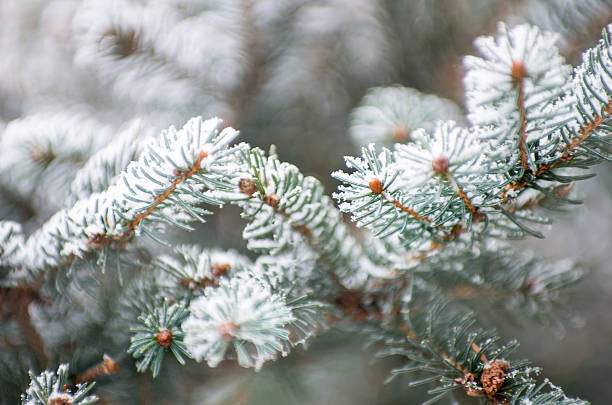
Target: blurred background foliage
[(288, 72)]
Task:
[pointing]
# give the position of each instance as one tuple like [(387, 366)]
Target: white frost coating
[(165, 159), (304, 215), (359, 195), (286, 270), (243, 313), (521, 60), (49, 387), (459, 146), (364, 173), (593, 83), (389, 114), (438, 168), (433, 181), (103, 217), (68, 232), (490, 78)]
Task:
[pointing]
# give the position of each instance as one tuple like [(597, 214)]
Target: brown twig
[(106, 367), (273, 202), (182, 176), (518, 73), (461, 194), (584, 132), (377, 188), (17, 301)]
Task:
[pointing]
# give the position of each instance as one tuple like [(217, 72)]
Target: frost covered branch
[(434, 191)]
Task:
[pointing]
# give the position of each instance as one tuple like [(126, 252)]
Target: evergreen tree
[(112, 292)]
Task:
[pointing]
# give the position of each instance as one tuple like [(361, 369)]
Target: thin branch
[(182, 176), (461, 193), (106, 367), (17, 300), (377, 188), (584, 132), (518, 74)]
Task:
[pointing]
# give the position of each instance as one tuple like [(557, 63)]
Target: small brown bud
[(469, 383), (177, 172), (110, 366), (493, 376), (477, 217), (440, 164), (272, 200), (400, 133), (124, 42), (42, 156), (529, 285), (164, 338), (247, 186), (303, 229), (376, 186), (219, 269), (98, 240), (60, 398), (564, 191), (519, 71), (227, 331)]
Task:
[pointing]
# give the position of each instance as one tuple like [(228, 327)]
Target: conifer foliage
[(438, 194)]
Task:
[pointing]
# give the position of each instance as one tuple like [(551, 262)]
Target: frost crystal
[(243, 313)]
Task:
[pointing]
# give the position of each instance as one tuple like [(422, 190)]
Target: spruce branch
[(225, 323), (165, 174), (286, 209), (435, 184), (441, 343), (433, 202), (521, 108), (163, 186), (460, 357)]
